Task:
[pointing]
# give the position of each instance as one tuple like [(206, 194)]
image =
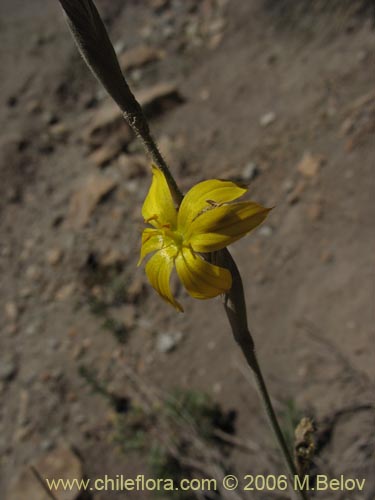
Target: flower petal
[(158, 208), (158, 270), (152, 241), (195, 200), (201, 279), (221, 226)]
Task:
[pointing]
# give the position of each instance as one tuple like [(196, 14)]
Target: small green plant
[(117, 328), (290, 418), (165, 466)]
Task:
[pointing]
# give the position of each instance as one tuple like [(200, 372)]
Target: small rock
[(59, 131), (267, 119), (23, 433), (25, 292), (85, 199), (167, 342), (8, 368), (249, 172), (215, 41), (139, 56), (287, 185), (113, 258), (32, 329), (309, 165), (33, 107), (158, 98), (46, 445), (65, 291), (50, 118), (159, 5), (217, 25), (33, 273), (217, 388), (295, 195), (119, 46), (266, 231), (11, 311), (54, 344), (204, 94), (54, 256), (60, 463), (78, 351)]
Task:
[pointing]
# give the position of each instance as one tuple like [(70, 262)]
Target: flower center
[(174, 235)]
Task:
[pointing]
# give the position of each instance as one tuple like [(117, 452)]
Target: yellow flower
[(205, 222)]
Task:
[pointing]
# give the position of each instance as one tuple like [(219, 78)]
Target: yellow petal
[(214, 190), (201, 279), (158, 208), (152, 241), (221, 226), (158, 270)]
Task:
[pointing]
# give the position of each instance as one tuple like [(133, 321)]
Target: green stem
[(235, 308), (139, 124)]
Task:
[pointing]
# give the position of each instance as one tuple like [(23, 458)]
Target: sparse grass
[(291, 417)]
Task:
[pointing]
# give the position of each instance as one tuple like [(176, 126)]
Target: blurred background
[(98, 376)]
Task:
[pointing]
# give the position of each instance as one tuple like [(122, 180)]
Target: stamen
[(154, 217)]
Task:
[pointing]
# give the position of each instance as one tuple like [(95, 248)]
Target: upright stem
[(140, 126), (93, 42), (235, 308)]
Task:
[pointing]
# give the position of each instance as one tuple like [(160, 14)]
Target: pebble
[(249, 172), (139, 56), (32, 329), (54, 256), (47, 445), (267, 119), (295, 195), (167, 342), (159, 97), (33, 106), (310, 164), (33, 273), (11, 311), (287, 185), (65, 291), (59, 131), (266, 231), (25, 292), (8, 368)]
